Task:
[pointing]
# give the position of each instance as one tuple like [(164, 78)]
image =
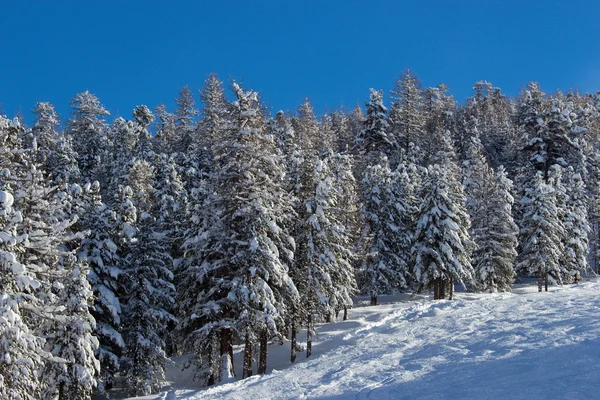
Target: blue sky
[(143, 52)]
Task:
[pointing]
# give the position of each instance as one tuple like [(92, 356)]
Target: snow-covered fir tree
[(146, 314), (442, 245), (242, 258), (88, 130), (21, 352), (323, 271), (540, 234), (577, 227), (495, 235), (101, 252), (73, 372), (387, 238)]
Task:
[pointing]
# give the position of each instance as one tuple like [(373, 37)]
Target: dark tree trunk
[(212, 378), (546, 280), (309, 334), (293, 339), (451, 288), (227, 347), (345, 313), (442, 286), (436, 289), (540, 278), (247, 370), (373, 300), (264, 342)]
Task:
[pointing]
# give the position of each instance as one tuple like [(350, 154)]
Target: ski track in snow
[(510, 346)]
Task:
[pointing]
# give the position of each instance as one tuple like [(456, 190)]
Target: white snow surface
[(520, 345)]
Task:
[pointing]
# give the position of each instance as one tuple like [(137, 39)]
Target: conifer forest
[(222, 224)]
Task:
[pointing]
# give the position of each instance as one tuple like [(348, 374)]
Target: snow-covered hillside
[(523, 345)]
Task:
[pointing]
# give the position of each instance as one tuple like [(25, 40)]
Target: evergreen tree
[(407, 121), (72, 373), (21, 352), (442, 245), (185, 114), (541, 233), (323, 272), (89, 132), (375, 138), (243, 255), (385, 266), (106, 276), (146, 313), (577, 227), (495, 235)]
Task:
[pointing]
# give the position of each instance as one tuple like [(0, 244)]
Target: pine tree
[(407, 121), (541, 233), (375, 139), (577, 227), (89, 132), (385, 267), (306, 126), (442, 245), (323, 272), (73, 371), (146, 313), (242, 257), (495, 235), (185, 114), (21, 352), (106, 276)]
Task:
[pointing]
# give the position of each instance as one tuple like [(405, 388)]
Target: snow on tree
[(215, 110), (375, 138), (88, 129), (185, 114), (241, 260), (577, 227), (540, 233), (146, 316), (442, 245), (407, 120), (44, 132), (385, 267), (323, 272), (495, 235), (21, 352), (72, 372), (306, 126), (165, 140), (101, 252)]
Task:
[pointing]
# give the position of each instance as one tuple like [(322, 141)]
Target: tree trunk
[(442, 286), (546, 280), (345, 313), (373, 300), (309, 334), (436, 289), (264, 342), (540, 278), (247, 370), (227, 347), (293, 338), (451, 288)]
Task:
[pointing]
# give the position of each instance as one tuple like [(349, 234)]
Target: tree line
[(177, 232)]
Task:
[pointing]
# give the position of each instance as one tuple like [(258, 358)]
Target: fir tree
[(385, 266), (541, 233), (442, 245), (146, 315)]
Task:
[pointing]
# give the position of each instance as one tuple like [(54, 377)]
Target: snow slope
[(522, 345)]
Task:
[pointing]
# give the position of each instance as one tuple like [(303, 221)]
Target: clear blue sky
[(143, 52)]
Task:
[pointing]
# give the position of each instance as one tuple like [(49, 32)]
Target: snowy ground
[(522, 345)]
